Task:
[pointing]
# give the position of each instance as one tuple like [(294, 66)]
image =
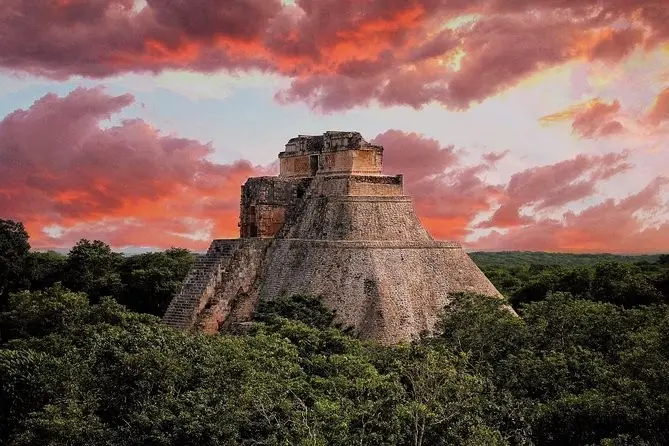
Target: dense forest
[(84, 359)]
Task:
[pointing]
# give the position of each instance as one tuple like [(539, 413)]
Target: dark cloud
[(339, 54)]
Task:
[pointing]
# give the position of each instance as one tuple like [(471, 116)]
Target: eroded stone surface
[(338, 229)]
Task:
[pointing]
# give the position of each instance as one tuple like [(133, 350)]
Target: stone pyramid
[(331, 225)]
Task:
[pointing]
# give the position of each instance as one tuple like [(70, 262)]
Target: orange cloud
[(607, 44), (660, 109), (448, 195), (592, 119), (66, 178), (61, 169)]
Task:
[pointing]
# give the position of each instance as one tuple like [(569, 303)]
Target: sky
[(519, 124)]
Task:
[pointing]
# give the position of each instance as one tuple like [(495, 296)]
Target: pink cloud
[(448, 195), (660, 109), (554, 185), (59, 167), (611, 226)]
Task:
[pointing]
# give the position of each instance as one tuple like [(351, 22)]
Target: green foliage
[(14, 249), (514, 259), (444, 403), (40, 313), (619, 282), (150, 280), (582, 372), (583, 360), (567, 371), (306, 309), (92, 267), (623, 285), (45, 268), (144, 283), (108, 376), (98, 374)]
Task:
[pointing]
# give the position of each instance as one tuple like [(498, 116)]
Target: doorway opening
[(313, 164)]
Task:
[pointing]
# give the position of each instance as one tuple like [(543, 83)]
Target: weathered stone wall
[(388, 291), (375, 186), (296, 165), (359, 279), (357, 185), (330, 153), (357, 218), (326, 142), (354, 162), (266, 203)]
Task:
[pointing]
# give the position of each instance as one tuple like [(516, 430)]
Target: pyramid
[(330, 225)]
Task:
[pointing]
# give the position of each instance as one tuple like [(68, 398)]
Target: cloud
[(338, 54), (611, 226), (414, 155), (126, 183), (660, 109), (553, 186), (592, 119), (455, 201), (597, 120), (493, 158)]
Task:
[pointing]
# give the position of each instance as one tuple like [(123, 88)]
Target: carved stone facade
[(329, 225)]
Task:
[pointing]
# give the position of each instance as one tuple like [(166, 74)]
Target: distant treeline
[(520, 258), (85, 361)]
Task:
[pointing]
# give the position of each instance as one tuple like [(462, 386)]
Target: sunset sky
[(519, 124)]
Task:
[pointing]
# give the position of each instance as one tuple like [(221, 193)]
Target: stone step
[(204, 273)]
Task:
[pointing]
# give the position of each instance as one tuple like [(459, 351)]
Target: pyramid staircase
[(199, 285)]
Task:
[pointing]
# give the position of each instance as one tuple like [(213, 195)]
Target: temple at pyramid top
[(333, 153)]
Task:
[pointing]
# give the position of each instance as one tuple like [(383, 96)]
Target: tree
[(93, 268), (480, 327), (306, 309), (444, 403), (150, 280), (623, 285), (14, 248), (44, 269)]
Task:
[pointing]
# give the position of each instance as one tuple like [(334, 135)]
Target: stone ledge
[(371, 198), (374, 244), (345, 175)]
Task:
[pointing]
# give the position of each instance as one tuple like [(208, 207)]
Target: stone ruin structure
[(331, 225)]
